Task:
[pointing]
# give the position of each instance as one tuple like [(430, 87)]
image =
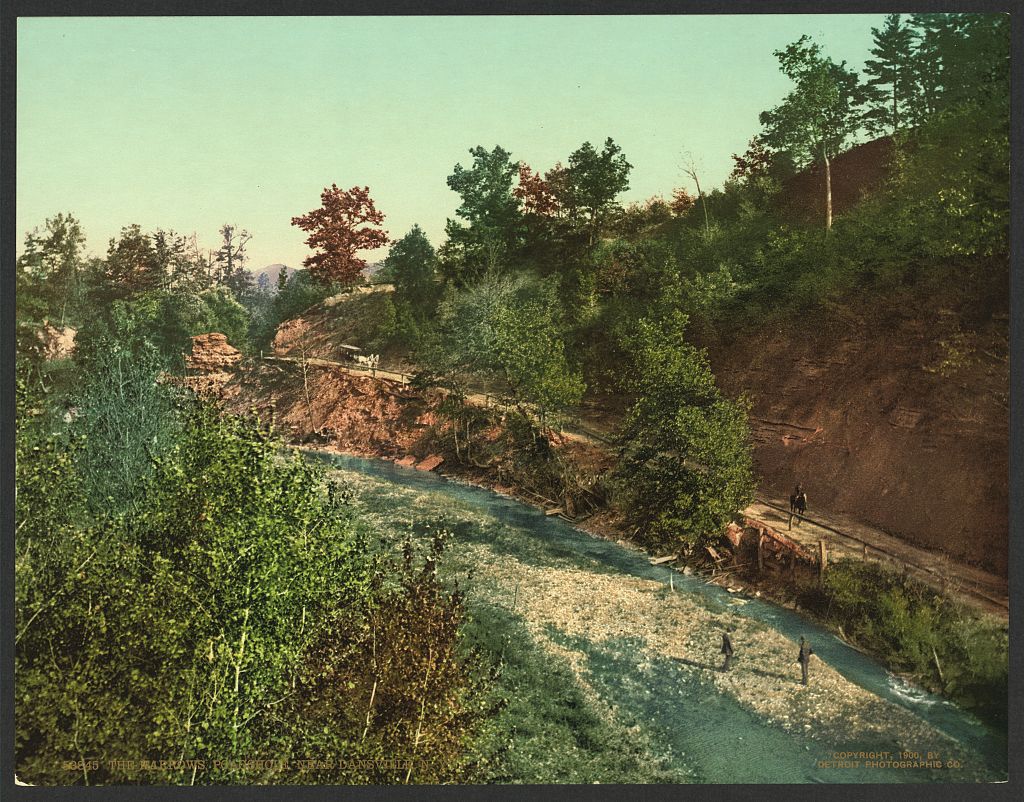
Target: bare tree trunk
[(692, 172), (828, 191)]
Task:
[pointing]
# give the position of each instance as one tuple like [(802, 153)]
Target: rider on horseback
[(797, 504)]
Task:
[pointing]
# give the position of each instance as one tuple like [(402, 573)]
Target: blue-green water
[(677, 706)]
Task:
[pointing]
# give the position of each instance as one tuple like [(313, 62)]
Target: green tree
[(230, 260), (179, 263), (52, 264), (818, 117), (132, 266), (975, 59), (950, 192), (961, 58), (891, 89), (531, 352), (492, 233), (595, 180), (505, 331), (934, 34), (685, 465), (412, 266)]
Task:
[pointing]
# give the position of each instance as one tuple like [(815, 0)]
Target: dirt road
[(845, 537)]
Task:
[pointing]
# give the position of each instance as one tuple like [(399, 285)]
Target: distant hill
[(271, 272), (371, 270)]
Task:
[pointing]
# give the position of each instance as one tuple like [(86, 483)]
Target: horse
[(800, 503), (797, 506)]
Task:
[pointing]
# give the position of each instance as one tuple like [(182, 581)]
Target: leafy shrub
[(406, 690), (124, 418), (193, 623), (915, 630)]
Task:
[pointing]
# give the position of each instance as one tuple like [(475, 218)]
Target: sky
[(187, 123)]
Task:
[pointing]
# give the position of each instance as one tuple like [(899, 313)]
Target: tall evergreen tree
[(132, 266), (978, 63), (891, 88), (230, 260), (412, 263)]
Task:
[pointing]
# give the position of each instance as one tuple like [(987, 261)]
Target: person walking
[(805, 657), (726, 649)]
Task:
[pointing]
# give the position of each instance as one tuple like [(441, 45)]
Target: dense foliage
[(346, 222), (506, 331), (230, 613), (918, 632), (686, 464)]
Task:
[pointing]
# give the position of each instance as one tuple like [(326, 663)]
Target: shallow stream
[(648, 656)]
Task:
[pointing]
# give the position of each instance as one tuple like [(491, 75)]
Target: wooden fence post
[(865, 552)]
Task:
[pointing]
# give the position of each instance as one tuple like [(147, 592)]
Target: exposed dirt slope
[(357, 414), (901, 423), (855, 174), (893, 413), (351, 318)]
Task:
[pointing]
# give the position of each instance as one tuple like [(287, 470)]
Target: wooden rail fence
[(868, 552)]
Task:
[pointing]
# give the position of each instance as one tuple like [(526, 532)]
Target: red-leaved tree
[(756, 161), (346, 222), (537, 195), (682, 201)]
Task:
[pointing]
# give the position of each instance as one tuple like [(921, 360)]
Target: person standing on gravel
[(726, 649), (805, 657)]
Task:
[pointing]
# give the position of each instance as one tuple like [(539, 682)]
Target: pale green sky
[(190, 122)]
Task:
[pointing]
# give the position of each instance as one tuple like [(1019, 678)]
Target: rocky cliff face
[(903, 424), (211, 364), (357, 414)]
